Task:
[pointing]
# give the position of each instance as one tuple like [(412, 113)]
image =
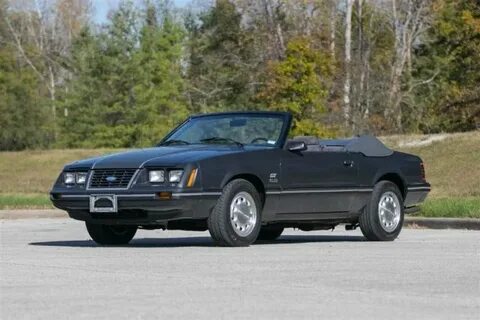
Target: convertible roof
[(368, 145)]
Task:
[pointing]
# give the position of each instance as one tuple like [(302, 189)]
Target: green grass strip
[(451, 208), (25, 201)]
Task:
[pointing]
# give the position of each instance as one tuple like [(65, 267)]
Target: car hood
[(159, 156)]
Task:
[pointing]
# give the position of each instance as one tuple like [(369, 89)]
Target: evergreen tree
[(83, 102), (100, 99), (22, 108), (128, 88), (159, 85), (222, 67)]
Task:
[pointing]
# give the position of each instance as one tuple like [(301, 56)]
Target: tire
[(270, 233), (110, 235), (225, 224), (387, 228)]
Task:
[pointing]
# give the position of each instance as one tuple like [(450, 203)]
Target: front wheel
[(235, 220), (382, 219), (110, 235)]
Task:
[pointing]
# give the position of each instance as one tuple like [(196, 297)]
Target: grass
[(35, 171), (25, 201), (451, 208), (452, 164), (27, 176)]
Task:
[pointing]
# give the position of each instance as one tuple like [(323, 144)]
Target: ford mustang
[(238, 176)]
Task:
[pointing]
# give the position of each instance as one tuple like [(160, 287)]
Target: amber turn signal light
[(164, 195), (192, 177)]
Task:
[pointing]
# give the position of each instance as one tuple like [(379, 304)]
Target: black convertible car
[(237, 175)]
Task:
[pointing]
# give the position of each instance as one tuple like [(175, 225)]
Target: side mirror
[(296, 146)]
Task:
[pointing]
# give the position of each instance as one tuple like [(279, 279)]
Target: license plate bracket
[(103, 203)]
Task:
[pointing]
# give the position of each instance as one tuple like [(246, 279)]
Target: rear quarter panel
[(404, 165), (371, 169)]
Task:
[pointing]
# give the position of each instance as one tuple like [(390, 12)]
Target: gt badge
[(273, 177)]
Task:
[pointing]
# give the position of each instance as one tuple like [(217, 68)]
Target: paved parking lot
[(51, 270)]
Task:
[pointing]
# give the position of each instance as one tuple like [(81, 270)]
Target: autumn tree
[(299, 84)]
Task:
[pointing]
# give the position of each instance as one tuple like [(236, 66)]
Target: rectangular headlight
[(69, 178), (156, 176), (81, 177), (175, 175)]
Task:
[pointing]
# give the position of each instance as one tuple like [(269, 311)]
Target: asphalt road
[(51, 270)]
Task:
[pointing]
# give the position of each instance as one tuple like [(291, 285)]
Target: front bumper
[(139, 209)]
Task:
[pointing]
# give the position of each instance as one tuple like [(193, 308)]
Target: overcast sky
[(102, 7)]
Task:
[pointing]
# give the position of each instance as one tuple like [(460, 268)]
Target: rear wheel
[(270, 233), (382, 219), (235, 220), (111, 235)]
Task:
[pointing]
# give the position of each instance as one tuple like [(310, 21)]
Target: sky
[(102, 7)]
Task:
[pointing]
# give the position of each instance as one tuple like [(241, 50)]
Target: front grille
[(111, 178)]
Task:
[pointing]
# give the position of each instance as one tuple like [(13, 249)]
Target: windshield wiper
[(174, 141), (222, 140)]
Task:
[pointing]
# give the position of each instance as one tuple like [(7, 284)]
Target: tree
[(448, 68), (42, 33), (20, 127), (409, 21), (160, 101), (222, 64), (348, 58), (299, 84), (100, 98), (372, 43), (128, 88)]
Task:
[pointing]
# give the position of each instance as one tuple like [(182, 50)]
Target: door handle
[(348, 163)]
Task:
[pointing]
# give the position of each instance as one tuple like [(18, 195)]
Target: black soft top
[(368, 145)]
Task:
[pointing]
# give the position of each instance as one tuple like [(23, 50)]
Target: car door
[(316, 181)]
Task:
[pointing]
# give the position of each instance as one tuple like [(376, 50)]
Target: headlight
[(81, 177), (69, 178), (175, 175), (156, 176), (75, 177)]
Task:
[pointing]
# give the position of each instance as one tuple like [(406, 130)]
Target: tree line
[(341, 67)]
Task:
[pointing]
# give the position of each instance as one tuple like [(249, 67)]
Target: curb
[(442, 223)]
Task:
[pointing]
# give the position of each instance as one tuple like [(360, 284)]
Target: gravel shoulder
[(32, 214)]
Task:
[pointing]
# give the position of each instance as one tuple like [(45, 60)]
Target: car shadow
[(200, 241)]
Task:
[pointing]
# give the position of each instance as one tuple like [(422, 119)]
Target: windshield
[(239, 129)]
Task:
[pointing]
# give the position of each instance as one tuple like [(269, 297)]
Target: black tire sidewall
[(107, 235), (378, 191), (230, 191)]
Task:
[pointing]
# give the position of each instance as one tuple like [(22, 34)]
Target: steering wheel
[(259, 139)]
